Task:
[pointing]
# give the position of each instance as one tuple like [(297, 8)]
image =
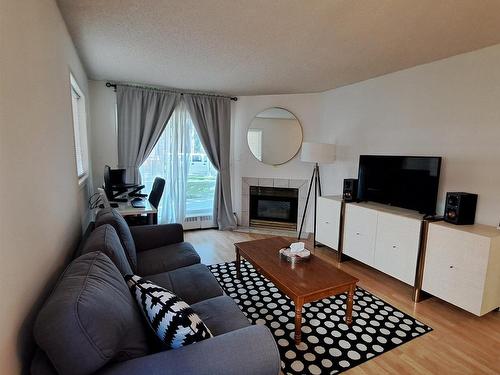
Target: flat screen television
[(404, 181)]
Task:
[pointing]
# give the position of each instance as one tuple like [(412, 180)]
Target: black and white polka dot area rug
[(328, 345)]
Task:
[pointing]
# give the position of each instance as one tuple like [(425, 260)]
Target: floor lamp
[(315, 153)]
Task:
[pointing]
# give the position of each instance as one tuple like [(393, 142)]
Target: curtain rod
[(113, 85)]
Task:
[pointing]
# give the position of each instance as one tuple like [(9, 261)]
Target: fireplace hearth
[(273, 207)]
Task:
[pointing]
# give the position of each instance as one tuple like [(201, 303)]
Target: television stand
[(381, 236)]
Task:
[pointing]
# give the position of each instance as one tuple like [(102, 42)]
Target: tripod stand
[(317, 188)]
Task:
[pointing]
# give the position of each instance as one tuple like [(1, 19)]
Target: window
[(254, 137), (80, 130), (190, 177), (201, 180)]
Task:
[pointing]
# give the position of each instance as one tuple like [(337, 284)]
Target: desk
[(126, 209)]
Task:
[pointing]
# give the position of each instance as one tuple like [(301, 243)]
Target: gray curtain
[(142, 115), (212, 119)]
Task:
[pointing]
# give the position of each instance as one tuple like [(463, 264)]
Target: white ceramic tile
[(245, 189), (296, 183), (251, 181), (301, 185), (300, 209), (245, 202), (244, 219), (267, 182), (303, 191), (281, 183)]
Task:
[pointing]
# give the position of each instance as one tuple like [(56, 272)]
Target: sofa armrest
[(246, 351), (152, 236)]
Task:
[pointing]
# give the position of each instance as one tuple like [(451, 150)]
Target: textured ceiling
[(246, 47)]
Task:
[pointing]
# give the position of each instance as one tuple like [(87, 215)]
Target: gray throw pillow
[(113, 217), (105, 239)]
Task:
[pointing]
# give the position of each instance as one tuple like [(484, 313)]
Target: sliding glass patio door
[(190, 178)]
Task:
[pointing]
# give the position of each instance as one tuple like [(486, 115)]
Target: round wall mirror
[(274, 136)]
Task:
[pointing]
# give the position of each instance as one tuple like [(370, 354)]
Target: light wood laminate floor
[(461, 343)]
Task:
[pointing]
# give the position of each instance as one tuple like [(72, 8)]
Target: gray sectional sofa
[(90, 324)]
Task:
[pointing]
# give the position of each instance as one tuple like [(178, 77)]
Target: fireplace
[(273, 207)]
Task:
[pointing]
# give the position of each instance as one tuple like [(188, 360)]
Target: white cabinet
[(328, 221), (360, 227), (396, 246), (462, 266), (383, 237)]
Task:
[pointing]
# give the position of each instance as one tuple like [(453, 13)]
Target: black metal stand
[(317, 189)]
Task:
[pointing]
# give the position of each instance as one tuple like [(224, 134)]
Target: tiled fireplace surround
[(246, 182)]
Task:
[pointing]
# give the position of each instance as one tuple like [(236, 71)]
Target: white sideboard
[(462, 266), (384, 237), (360, 229), (458, 263), (328, 220)]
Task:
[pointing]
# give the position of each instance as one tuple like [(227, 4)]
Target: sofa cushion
[(113, 217), (192, 283), (166, 258), (105, 239), (173, 320), (90, 318), (221, 314)]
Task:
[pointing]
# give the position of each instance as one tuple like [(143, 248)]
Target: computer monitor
[(117, 176), (114, 180), (108, 188), (115, 185)]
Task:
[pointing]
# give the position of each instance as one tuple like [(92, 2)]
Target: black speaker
[(460, 208), (350, 191)]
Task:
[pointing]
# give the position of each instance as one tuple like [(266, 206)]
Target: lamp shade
[(318, 152)]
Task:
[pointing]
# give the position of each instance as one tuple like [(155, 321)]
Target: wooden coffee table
[(303, 282)]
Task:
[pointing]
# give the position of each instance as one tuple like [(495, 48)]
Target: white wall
[(448, 108), (103, 136), (43, 208), (306, 107)]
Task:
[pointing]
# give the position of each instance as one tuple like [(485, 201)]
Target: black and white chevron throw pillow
[(173, 320)]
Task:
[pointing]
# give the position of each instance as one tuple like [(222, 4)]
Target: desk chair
[(156, 191), (154, 198)]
